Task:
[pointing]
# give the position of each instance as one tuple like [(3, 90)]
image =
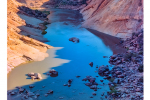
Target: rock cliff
[(20, 48), (118, 18)]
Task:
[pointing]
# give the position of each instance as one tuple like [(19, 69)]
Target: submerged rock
[(53, 72), (91, 64), (74, 39)]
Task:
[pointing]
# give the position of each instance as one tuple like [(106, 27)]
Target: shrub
[(46, 23), (44, 32)]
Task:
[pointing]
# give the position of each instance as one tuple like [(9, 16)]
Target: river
[(68, 58)]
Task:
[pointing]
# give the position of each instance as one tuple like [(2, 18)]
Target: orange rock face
[(118, 18), (21, 49)]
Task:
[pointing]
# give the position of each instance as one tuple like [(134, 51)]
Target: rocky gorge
[(119, 18)]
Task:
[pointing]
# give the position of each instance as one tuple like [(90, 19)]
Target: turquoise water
[(68, 58)]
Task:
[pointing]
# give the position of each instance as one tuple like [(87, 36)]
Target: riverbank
[(126, 77), (23, 37)]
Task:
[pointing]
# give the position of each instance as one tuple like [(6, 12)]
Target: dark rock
[(88, 84), (94, 83), (31, 86), (70, 81), (50, 92), (30, 74), (85, 79), (78, 76), (12, 93), (37, 94), (21, 90), (30, 94), (101, 80), (74, 39), (105, 56), (26, 96), (91, 64), (91, 97), (93, 87), (69, 85), (53, 73), (94, 93), (140, 69), (65, 84)]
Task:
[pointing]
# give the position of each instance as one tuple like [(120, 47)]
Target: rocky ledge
[(126, 76)]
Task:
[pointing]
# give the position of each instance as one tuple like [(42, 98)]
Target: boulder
[(93, 87), (74, 39), (53, 72), (30, 94), (30, 74), (91, 64), (50, 92), (38, 76)]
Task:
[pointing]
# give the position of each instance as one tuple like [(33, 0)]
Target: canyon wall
[(118, 18), (20, 48)]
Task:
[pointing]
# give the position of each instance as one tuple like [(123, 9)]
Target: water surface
[(68, 58)]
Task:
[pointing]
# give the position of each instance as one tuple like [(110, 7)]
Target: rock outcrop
[(20, 48), (118, 18)]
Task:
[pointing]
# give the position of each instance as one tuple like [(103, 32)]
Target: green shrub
[(46, 12), (44, 32), (45, 23)]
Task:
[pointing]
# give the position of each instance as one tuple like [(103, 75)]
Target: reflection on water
[(18, 76), (72, 60)]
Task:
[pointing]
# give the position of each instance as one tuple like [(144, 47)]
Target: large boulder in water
[(74, 39), (53, 72)]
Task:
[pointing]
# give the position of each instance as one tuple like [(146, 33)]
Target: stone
[(30, 74), (88, 84), (50, 92), (33, 77), (101, 80), (93, 87), (94, 93), (12, 93), (37, 94), (31, 86), (91, 64), (26, 96), (65, 84), (21, 90), (53, 72), (78, 76), (74, 39), (38, 76), (30, 94)]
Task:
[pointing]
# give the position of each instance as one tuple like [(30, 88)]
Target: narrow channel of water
[(68, 58)]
